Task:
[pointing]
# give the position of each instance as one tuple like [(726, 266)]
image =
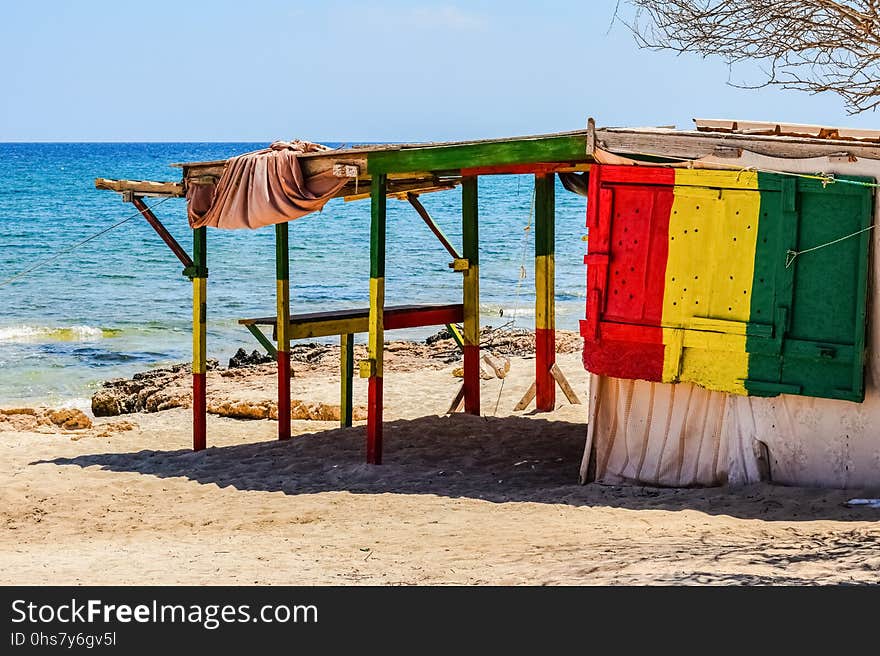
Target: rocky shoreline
[(169, 387)]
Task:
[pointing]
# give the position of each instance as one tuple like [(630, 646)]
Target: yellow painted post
[(282, 327), (200, 330), (545, 292), (372, 368)]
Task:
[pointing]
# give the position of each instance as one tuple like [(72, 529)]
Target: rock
[(242, 359), (19, 411), (300, 411), (324, 412), (70, 419), (105, 403), (16, 421), (439, 336), (458, 372), (108, 429), (243, 409), (310, 353), (147, 391), (43, 420)]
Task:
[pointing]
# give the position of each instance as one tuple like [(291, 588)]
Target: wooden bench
[(348, 322)]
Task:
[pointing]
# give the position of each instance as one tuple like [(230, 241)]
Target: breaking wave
[(42, 334)]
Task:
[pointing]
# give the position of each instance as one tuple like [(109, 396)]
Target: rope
[(791, 256), (67, 250), (522, 276)]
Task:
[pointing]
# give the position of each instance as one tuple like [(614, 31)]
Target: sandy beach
[(459, 500)]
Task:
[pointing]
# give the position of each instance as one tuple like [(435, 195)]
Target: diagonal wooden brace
[(171, 242), (560, 379), (417, 205)]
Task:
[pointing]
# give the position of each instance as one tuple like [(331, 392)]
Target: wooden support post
[(545, 292), (471, 294), (199, 364), (372, 368), (282, 275), (346, 367)]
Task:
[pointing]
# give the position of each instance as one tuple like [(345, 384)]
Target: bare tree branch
[(816, 46)]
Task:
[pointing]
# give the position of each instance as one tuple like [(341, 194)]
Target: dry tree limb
[(810, 45)]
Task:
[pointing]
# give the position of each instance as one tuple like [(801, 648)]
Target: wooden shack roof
[(420, 167)]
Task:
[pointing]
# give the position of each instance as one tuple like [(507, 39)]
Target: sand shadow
[(507, 459)]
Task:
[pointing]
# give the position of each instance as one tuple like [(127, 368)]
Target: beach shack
[(729, 328)]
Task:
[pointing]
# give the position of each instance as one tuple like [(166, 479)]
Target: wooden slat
[(523, 169), (527, 398), (568, 149), (566, 387), (340, 322), (516, 154), (691, 145), (141, 187)]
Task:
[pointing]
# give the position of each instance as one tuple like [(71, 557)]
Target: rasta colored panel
[(687, 280), (625, 293)]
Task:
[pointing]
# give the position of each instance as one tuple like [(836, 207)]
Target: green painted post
[(346, 344)]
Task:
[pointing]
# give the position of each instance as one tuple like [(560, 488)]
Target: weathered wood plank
[(141, 187), (340, 322), (691, 145), (527, 398), (564, 385)]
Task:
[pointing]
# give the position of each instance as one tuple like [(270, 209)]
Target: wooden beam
[(457, 400), (692, 144), (564, 385), (438, 232), (341, 322), (566, 148), (141, 187), (160, 229), (351, 192), (526, 399), (525, 169)]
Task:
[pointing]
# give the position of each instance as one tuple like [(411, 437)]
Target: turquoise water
[(120, 304)]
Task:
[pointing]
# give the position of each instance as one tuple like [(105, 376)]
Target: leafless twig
[(809, 45)]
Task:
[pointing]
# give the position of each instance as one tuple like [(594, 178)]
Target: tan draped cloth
[(262, 188)]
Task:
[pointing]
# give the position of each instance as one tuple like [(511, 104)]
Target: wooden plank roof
[(416, 166)]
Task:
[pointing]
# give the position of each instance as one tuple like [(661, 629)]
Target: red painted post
[(471, 295), (545, 311), (374, 420), (282, 274), (200, 412), (372, 367)]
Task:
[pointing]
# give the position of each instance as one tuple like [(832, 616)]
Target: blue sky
[(348, 71)]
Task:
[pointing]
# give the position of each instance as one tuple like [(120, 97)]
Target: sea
[(119, 303)]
